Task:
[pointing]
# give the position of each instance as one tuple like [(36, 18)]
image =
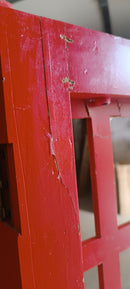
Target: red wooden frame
[(51, 72)]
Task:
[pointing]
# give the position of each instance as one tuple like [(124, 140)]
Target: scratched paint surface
[(47, 68), (48, 248), (103, 65)]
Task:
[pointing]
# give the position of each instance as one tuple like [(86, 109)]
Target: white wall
[(120, 17)]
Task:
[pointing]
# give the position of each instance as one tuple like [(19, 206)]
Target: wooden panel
[(45, 63), (39, 126)]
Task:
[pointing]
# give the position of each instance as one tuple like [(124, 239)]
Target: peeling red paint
[(51, 72)]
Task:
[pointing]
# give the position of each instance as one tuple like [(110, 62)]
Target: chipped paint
[(23, 108), (66, 39), (67, 80), (86, 71)]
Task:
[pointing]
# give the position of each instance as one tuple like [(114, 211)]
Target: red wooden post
[(4, 3), (51, 72)]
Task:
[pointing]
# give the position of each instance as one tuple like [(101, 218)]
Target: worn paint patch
[(70, 82), (66, 39)]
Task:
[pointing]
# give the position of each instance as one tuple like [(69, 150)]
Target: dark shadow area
[(10, 277), (87, 222), (82, 164)]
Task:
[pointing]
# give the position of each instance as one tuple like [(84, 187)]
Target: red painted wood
[(78, 107), (4, 3), (51, 72), (98, 62), (111, 241), (48, 244)]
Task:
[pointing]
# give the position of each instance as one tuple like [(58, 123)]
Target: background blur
[(87, 13)]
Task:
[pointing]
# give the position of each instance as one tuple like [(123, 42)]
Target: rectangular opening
[(125, 269), (5, 198), (9, 211), (120, 134), (87, 222), (91, 279)]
